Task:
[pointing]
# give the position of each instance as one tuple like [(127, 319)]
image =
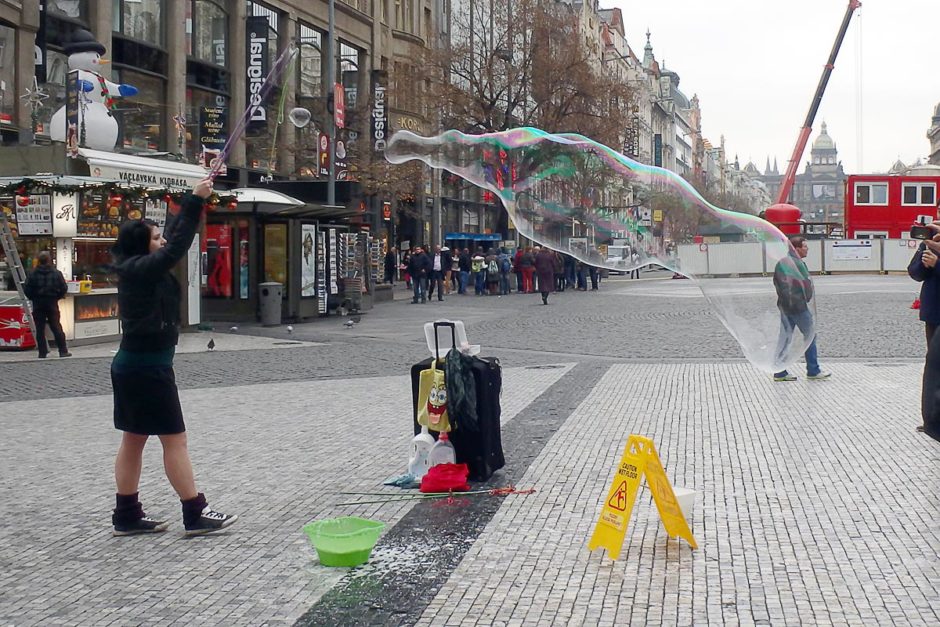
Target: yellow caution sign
[(639, 458)]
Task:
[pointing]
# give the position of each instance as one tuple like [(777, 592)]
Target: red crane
[(784, 211)]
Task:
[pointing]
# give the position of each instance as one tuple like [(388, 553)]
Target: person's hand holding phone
[(929, 258)]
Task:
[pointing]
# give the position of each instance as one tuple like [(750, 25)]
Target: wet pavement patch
[(416, 557)]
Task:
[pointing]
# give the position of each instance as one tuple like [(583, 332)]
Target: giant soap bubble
[(574, 195)]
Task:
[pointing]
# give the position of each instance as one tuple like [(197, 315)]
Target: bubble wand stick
[(280, 64)]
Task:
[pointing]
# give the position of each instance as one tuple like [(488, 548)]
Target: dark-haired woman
[(146, 399)]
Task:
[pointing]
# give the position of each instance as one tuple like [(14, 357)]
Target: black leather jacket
[(148, 294)]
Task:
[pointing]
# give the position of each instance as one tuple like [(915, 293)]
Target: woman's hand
[(203, 188)]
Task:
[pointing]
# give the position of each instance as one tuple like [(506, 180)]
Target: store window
[(310, 76), (139, 19), (7, 74), (140, 119), (75, 9), (206, 32), (206, 122)]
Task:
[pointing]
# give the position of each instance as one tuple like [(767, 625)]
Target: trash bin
[(270, 303)]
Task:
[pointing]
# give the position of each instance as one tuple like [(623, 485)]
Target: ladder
[(16, 267)]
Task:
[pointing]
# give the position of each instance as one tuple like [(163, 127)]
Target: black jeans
[(48, 314), (437, 281)]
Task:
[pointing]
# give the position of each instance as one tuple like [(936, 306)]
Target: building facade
[(933, 135), (819, 191)]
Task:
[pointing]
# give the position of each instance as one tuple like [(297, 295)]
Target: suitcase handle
[(453, 335)]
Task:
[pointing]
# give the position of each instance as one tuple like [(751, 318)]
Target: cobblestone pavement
[(817, 502), (279, 455)]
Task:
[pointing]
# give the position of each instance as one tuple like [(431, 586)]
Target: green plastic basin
[(346, 541)]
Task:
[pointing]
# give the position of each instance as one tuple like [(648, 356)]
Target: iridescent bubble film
[(576, 196)]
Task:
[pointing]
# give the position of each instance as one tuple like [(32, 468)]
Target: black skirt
[(146, 400)]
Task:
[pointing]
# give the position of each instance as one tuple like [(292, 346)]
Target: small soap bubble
[(299, 117), (581, 198)]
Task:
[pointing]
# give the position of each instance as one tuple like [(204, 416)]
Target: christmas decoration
[(96, 95)]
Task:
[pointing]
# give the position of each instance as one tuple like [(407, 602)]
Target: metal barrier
[(750, 258)]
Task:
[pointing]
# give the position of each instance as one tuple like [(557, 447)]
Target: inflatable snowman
[(96, 94)]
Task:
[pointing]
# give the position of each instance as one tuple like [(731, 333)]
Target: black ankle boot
[(129, 518)]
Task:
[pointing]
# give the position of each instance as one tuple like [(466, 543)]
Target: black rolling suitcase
[(481, 450)]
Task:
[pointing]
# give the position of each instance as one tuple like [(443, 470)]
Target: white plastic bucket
[(686, 499)]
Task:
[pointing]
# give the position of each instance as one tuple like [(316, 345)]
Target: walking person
[(391, 265), (478, 268), (559, 273), (146, 399), (505, 269), (527, 264), (794, 292), (464, 266), (45, 287), (545, 267), (420, 270), (405, 265), (439, 262)]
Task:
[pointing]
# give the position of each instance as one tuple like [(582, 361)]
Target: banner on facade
[(71, 114), (379, 111), (39, 47), (339, 106), (658, 150), (323, 154), (257, 63), (308, 266), (212, 135)]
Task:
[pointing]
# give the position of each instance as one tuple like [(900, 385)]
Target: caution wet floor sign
[(639, 458)]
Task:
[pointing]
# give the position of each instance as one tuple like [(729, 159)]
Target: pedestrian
[(439, 262), (559, 273), (794, 293), (45, 287), (420, 270), (492, 272), (505, 269), (448, 268), (545, 267), (923, 268), (146, 399), (527, 264), (391, 265), (464, 264), (635, 264), (478, 269), (405, 264)]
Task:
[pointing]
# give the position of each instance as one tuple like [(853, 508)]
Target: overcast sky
[(755, 64)]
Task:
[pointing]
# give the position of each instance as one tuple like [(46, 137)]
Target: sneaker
[(210, 521), (141, 525), (822, 374), (65, 354), (785, 377)]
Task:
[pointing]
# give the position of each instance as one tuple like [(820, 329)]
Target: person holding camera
[(923, 268)]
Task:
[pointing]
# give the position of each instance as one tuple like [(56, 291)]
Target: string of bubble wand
[(291, 65), (277, 69)]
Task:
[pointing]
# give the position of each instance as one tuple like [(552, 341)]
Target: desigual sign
[(379, 111)]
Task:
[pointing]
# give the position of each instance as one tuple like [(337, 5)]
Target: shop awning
[(476, 237), (270, 202), (144, 171)]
